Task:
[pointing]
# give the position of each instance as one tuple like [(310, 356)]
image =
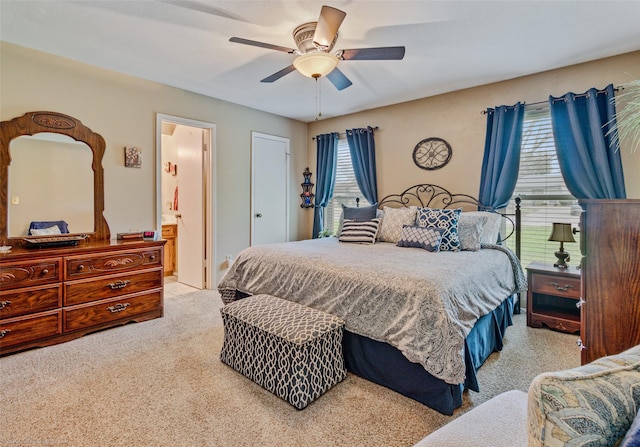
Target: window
[(545, 197), (345, 190)]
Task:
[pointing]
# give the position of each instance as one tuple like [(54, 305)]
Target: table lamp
[(561, 232)]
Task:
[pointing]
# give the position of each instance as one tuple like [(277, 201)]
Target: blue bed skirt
[(385, 365)]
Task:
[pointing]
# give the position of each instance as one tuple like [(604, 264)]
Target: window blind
[(545, 197), (346, 188)]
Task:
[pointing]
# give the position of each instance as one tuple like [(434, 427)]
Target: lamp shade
[(561, 232), (315, 64)]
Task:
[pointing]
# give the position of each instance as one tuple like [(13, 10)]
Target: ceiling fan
[(315, 40)]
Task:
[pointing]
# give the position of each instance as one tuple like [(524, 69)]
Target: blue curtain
[(326, 156), (363, 157), (501, 160), (589, 162)]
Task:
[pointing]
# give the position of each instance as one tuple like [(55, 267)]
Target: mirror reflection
[(61, 163)]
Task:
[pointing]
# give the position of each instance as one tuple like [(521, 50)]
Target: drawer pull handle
[(4, 304), (81, 267), (580, 344), (118, 284), (152, 257), (580, 303), (4, 332), (562, 288), (118, 307), (45, 271)]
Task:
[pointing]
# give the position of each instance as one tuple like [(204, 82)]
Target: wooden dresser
[(53, 295), (610, 246)]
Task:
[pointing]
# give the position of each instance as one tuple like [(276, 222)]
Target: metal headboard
[(434, 196)]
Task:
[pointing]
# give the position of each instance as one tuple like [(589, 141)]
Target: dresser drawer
[(84, 291), (126, 307), (30, 273), (29, 300), (77, 267), (25, 329), (557, 286)]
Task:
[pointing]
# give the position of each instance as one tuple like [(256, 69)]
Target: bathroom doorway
[(185, 194)]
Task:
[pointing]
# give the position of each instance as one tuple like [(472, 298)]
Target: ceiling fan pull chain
[(318, 98)]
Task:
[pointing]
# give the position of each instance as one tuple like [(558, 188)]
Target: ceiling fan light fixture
[(315, 65)]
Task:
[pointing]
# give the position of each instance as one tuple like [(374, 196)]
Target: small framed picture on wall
[(133, 157)]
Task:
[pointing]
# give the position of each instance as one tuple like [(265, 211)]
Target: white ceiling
[(450, 45)]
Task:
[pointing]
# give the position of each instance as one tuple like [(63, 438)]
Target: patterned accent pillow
[(447, 219), (357, 213), (393, 221), (363, 232), (596, 401), (470, 228), (632, 438), (428, 238), (491, 228)]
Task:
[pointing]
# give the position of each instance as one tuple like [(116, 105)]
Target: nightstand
[(553, 297)]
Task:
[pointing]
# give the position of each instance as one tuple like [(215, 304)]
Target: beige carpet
[(160, 383)]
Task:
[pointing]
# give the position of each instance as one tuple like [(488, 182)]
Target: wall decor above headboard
[(432, 153)]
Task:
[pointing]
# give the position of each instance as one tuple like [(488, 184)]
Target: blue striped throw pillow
[(363, 232)]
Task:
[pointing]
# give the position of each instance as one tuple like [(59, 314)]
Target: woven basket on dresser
[(291, 350)]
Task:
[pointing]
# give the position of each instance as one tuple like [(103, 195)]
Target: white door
[(269, 189), (191, 207)]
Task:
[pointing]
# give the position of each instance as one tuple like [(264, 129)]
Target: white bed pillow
[(491, 228), (392, 222), (470, 229)]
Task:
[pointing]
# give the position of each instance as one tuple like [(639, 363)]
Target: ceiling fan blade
[(328, 23), (279, 74), (373, 54), (338, 79), (261, 45)]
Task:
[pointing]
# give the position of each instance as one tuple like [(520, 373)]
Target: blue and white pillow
[(632, 438), (357, 213), (447, 219), (428, 238), (363, 232)]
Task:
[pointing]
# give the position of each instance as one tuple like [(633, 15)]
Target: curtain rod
[(579, 95), (342, 134)]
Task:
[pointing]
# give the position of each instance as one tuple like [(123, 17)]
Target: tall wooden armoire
[(610, 246)]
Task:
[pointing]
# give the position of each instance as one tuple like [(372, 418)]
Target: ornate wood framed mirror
[(33, 123)]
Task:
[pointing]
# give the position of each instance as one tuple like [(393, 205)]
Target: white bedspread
[(422, 303)]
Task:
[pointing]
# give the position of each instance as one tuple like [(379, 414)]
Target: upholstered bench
[(290, 350)]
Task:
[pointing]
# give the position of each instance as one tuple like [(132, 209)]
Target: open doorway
[(185, 151)]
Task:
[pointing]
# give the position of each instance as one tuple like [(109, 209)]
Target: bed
[(418, 322)]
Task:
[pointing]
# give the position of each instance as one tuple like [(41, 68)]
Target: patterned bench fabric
[(290, 350), (592, 405)]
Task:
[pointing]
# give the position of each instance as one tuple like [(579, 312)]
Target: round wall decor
[(432, 153)]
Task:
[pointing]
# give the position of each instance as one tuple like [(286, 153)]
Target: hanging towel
[(175, 200)]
